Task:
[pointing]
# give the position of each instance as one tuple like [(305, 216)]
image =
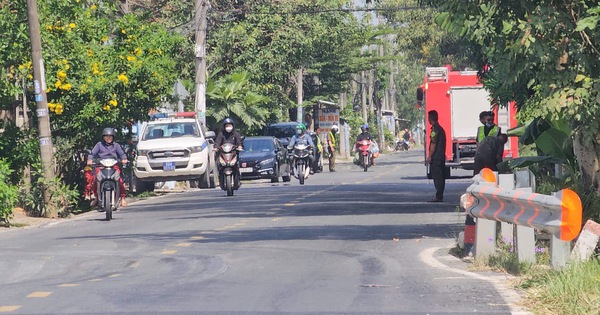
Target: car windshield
[(281, 131), (258, 145), (171, 130)]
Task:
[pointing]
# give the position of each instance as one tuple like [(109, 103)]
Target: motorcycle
[(229, 174), (401, 145), (301, 157), (364, 152), (107, 179)]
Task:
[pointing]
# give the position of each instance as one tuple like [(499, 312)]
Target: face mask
[(298, 131), (229, 129), (488, 124)]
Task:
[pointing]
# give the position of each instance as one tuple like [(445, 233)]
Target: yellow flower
[(48, 89), (104, 38), (29, 76), (93, 7), (123, 78), (113, 102), (61, 75), (66, 87), (106, 107), (57, 84), (130, 58), (58, 107), (51, 106), (90, 53), (137, 52), (59, 111), (49, 27), (124, 31), (72, 25)]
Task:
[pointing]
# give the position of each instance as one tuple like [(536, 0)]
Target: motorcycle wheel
[(365, 163), (229, 184), (301, 174), (107, 204)]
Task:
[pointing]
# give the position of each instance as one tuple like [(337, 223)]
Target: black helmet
[(228, 121), (108, 132)]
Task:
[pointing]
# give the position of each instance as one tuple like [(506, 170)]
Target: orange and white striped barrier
[(559, 214)]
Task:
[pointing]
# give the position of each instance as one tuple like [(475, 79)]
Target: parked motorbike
[(229, 172), (364, 152), (107, 180), (401, 145), (301, 157)]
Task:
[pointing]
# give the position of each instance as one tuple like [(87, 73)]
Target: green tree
[(543, 54), (233, 96)]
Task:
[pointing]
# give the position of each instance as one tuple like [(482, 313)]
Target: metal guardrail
[(559, 214)]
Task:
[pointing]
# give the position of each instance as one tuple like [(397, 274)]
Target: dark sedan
[(264, 157)]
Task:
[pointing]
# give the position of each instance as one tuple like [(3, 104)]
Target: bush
[(8, 193)]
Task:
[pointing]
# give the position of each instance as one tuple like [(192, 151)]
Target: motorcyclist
[(106, 148), (228, 134), (316, 138), (303, 138), (365, 135)]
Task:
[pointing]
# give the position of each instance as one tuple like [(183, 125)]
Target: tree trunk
[(588, 157)]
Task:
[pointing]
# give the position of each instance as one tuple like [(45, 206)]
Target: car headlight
[(143, 152), (267, 161), (195, 149)]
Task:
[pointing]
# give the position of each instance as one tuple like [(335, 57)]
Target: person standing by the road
[(436, 158), (489, 153), (331, 145), (489, 129)]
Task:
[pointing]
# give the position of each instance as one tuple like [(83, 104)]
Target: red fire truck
[(459, 97)]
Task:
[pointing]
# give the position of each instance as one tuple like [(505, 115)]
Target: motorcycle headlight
[(195, 149), (267, 161)]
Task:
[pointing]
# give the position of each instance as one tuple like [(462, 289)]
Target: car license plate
[(246, 170), (169, 166)]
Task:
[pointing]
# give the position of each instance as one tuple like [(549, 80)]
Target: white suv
[(175, 149)]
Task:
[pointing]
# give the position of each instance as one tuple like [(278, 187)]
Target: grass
[(572, 290)]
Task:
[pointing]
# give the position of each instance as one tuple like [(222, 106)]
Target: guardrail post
[(525, 240), (485, 235), (560, 252), (506, 181)]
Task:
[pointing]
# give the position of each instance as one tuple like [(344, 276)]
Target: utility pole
[(363, 91), (201, 16), (299, 96), (39, 82)]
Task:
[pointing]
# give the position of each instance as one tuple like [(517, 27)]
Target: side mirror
[(243, 138), (210, 135)]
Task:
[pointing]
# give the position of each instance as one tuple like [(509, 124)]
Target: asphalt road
[(347, 242)]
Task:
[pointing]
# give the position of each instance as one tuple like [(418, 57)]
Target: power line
[(323, 11)]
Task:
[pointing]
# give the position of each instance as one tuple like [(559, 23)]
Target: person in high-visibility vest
[(489, 129), (331, 145)]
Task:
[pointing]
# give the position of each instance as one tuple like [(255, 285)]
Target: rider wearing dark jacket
[(229, 135)]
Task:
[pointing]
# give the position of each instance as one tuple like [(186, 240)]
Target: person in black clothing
[(228, 134), (436, 157), (365, 135)]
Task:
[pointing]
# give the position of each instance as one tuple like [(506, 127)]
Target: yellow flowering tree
[(102, 69)]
